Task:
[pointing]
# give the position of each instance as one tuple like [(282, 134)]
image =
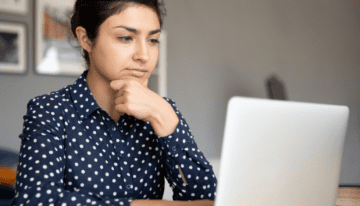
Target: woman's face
[(127, 45)]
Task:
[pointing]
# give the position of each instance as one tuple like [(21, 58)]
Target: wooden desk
[(348, 196)]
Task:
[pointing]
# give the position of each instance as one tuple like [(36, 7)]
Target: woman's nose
[(142, 52)]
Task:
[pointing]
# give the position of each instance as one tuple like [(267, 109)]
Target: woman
[(107, 139)]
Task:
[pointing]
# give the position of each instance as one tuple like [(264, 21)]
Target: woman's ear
[(84, 41)]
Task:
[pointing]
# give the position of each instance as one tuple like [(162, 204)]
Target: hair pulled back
[(90, 14)]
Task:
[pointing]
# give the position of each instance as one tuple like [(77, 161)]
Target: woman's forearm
[(172, 203)]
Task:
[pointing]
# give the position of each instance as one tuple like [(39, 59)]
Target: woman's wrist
[(164, 122)]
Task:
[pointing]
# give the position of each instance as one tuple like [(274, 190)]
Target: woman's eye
[(154, 41), (125, 38)]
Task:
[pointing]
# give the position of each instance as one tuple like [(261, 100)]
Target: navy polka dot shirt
[(73, 153)]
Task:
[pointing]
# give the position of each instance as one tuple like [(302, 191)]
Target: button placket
[(116, 131), (122, 155), (124, 161)]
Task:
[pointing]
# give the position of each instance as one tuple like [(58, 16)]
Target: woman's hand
[(135, 99)]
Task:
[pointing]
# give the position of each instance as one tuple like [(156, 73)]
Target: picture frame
[(57, 52), (14, 6), (13, 48)]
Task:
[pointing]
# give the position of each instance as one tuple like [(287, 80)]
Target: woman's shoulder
[(53, 99), (45, 113)]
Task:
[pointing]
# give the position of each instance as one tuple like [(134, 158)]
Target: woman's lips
[(137, 72)]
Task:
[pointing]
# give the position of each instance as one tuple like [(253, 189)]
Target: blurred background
[(219, 49)]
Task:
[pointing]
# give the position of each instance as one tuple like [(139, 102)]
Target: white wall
[(217, 49)]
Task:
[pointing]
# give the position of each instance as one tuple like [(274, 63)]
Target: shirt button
[(128, 187), (174, 148), (122, 155)]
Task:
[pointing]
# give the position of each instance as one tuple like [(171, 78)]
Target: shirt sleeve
[(181, 151), (41, 167)]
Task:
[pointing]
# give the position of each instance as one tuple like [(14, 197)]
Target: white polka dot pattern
[(73, 153)]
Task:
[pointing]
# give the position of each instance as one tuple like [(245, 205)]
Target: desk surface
[(348, 196)]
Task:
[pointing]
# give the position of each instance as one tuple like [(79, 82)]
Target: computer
[(282, 153)]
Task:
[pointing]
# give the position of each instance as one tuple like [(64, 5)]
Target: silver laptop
[(281, 153)]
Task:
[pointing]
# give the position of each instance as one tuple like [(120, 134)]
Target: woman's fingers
[(120, 99), (135, 110), (126, 82), (122, 108), (135, 99)]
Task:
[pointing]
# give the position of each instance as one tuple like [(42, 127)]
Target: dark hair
[(90, 14)]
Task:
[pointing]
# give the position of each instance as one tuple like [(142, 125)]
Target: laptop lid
[(283, 153)]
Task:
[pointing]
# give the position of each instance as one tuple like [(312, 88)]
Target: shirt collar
[(82, 99)]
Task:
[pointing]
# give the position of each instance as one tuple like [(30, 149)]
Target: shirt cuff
[(178, 140)]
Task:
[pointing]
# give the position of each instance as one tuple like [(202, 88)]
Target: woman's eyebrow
[(136, 31)]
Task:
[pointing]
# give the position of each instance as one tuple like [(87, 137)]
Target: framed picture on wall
[(12, 48), (57, 52), (14, 6)]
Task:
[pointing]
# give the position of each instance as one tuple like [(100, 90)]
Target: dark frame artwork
[(13, 56)]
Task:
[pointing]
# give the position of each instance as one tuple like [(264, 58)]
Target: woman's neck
[(103, 94)]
